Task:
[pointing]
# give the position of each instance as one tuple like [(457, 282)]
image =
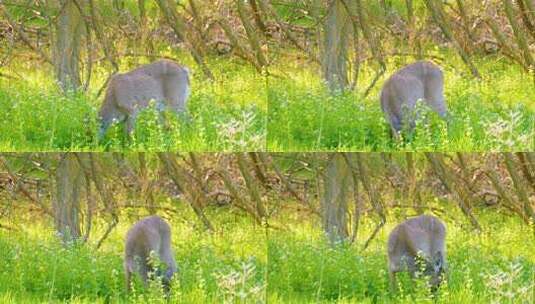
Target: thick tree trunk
[(69, 181), (413, 38), (334, 61), (338, 187), (69, 31), (252, 186)]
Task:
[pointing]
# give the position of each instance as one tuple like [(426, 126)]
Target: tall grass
[(225, 115), (229, 264), (494, 114), (497, 266), (239, 263)]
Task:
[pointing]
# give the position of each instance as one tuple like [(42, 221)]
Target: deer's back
[(147, 234), (424, 234)]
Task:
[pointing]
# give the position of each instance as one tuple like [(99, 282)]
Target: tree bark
[(69, 31), (337, 191), (252, 37), (66, 205), (334, 60), (257, 17), (252, 186)]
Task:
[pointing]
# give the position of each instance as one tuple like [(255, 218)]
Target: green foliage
[(497, 113), (227, 114), (238, 264), (497, 266), (37, 268)]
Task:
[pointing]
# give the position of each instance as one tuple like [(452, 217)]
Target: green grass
[(225, 115), (36, 268), (497, 113), (498, 265), (239, 263)]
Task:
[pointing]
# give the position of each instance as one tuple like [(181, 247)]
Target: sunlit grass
[(37, 268), (224, 115), (240, 263), (496, 266), (494, 114)]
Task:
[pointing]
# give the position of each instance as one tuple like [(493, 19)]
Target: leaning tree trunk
[(69, 31), (337, 191), (69, 181), (334, 61)]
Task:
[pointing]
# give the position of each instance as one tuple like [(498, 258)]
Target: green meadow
[(226, 114), (241, 263), (228, 265), (496, 266), (496, 113)]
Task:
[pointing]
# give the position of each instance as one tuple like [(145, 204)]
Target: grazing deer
[(418, 244), (151, 235), (164, 81), (422, 80)]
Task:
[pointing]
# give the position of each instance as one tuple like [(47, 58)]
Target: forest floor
[(241, 263), (224, 115), (494, 114)]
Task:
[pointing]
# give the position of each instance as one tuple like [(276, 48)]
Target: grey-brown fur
[(423, 236), (164, 81), (421, 80), (148, 234)]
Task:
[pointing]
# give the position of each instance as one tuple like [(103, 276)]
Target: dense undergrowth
[(227, 265), (224, 115), (496, 266), (239, 263), (494, 114)]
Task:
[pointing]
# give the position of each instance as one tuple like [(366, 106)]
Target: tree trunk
[(413, 38), (252, 37), (337, 191), (257, 17), (334, 61), (252, 186), (69, 31), (69, 181)]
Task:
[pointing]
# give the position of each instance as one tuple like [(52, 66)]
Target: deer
[(418, 245), (165, 82), (419, 81), (149, 237)]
